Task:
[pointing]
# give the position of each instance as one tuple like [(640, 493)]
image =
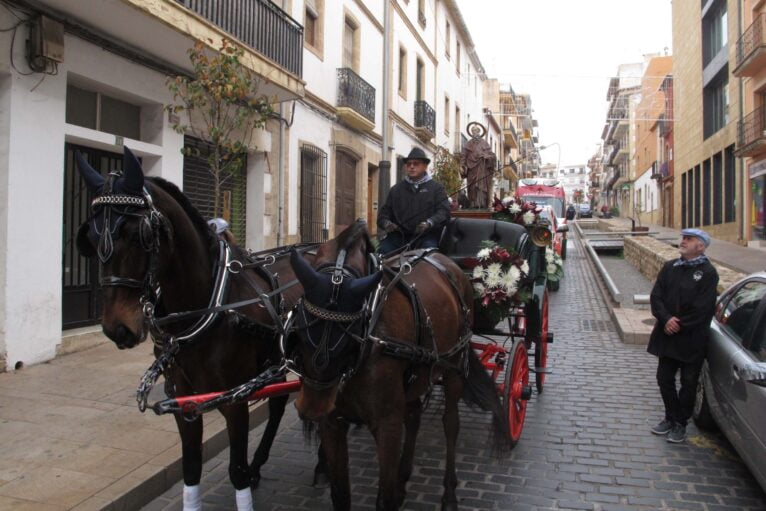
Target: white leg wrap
[(244, 499), (192, 498)]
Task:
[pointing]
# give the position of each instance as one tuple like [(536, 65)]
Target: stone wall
[(648, 255)]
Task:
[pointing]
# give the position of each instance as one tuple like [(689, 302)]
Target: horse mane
[(194, 215), (352, 234)]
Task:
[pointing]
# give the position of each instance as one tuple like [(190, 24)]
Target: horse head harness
[(344, 320), (151, 222)]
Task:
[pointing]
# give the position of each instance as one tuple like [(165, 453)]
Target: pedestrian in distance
[(683, 302), (416, 209)]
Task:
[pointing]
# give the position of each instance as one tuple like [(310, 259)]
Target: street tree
[(219, 103)]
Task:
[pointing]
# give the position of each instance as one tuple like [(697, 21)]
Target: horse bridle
[(151, 221)]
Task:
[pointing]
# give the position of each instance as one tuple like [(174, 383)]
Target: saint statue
[(477, 166)]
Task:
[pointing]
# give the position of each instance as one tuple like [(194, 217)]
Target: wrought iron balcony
[(258, 23), (425, 120), (358, 96), (751, 48), (656, 174), (750, 132)]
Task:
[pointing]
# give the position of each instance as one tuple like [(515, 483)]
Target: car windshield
[(556, 203)]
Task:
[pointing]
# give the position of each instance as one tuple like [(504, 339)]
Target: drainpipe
[(743, 205), (384, 165), (280, 176)]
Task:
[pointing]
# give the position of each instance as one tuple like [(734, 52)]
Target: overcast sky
[(563, 52)]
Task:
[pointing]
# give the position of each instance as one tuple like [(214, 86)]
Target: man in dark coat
[(416, 208), (683, 302)]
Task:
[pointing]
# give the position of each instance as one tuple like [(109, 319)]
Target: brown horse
[(157, 253), (369, 352)]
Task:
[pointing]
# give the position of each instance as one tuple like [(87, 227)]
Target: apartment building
[(595, 178), (709, 185), (93, 81), (749, 66), (647, 204), (618, 135), (572, 178)]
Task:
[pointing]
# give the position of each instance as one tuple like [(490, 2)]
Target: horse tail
[(480, 390)]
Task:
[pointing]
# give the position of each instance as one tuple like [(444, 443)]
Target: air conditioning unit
[(45, 47)]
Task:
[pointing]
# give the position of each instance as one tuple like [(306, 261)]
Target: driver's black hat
[(417, 154)]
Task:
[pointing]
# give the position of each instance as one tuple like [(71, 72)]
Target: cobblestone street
[(586, 442)]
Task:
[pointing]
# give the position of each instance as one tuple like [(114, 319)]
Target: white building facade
[(104, 90)]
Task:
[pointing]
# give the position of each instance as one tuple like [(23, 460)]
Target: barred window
[(313, 194)]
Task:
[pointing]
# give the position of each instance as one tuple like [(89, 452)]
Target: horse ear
[(93, 179), (305, 273), (84, 246), (360, 288), (132, 172)]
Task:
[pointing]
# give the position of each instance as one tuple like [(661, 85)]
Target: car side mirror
[(753, 373), (563, 228)]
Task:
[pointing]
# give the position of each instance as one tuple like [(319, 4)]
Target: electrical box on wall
[(45, 48)]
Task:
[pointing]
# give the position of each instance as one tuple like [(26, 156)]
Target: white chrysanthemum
[(525, 267), (551, 268), (479, 288), (510, 282), (483, 254), (557, 260), (506, 200), (494, 275), (515, 273), (549, 256), (478, 272), (515, 208), (529, 217)]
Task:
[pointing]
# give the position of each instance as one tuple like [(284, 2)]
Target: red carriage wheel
[(516, 389), (541, 346)]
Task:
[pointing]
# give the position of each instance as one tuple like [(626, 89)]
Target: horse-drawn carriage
[(367, 338)]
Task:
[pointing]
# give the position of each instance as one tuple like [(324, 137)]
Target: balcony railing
[(750, 129), (665, 169), (425, 116), (751, 40), (355, 93), (258, 23)]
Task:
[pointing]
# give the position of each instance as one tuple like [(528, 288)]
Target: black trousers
[(679, 403)]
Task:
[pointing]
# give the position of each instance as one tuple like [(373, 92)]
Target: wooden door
[(345, 191), (372, 205)]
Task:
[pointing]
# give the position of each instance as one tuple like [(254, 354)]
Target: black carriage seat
[(463, 237)]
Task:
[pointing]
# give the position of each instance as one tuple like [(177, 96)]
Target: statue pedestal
[(472, 213)]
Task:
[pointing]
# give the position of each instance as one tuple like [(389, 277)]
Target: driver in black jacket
[(683, 302), (416, 208)]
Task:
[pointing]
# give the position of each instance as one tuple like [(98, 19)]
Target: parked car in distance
[(585, 211), (732, 390), (559, 230)]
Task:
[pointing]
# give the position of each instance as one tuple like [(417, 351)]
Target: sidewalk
[(71, 435), (733, 256)]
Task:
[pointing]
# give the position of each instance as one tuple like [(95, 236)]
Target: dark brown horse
[(368, 354), (158, 254)]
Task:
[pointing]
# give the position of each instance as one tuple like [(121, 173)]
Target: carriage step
[(542, 370), (550, 338)]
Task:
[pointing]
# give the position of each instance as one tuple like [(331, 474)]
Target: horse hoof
[(449, 506), (321, 480), (254, 480)]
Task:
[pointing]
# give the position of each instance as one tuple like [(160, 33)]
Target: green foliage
[(614, 211), (220, 104), (447, 171)]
